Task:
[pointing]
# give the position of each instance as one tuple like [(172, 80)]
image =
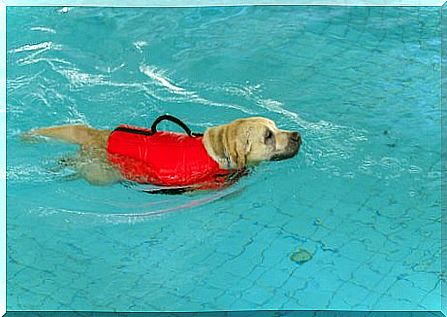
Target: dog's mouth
[(291, 150), (283, 156)]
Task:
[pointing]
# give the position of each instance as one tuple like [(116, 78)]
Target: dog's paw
[(29, 137)]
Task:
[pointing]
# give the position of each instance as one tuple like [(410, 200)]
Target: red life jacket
[(164, 158)]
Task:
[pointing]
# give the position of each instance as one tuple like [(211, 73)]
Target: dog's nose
[(295, 137)]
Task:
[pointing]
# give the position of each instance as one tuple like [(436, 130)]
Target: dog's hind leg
[(91, 162), (78, 134)]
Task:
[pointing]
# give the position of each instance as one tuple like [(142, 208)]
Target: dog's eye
[(268, 135)]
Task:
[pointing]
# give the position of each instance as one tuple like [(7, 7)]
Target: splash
[(180, 94), (43, 29), (33, 47), (139, 45), (159, 78)]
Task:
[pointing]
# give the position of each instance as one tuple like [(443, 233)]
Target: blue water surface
[(362, 197)]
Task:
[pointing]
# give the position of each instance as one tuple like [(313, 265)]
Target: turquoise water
[(362, 197)]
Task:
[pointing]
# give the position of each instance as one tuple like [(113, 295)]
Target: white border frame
[(209, 3), (130, 3), (2, 159)]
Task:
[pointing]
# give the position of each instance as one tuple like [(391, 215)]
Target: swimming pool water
[(362, 85)]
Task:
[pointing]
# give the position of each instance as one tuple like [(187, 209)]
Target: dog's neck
[(221, 157)]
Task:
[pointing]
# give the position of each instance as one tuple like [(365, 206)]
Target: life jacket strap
[(153, 129), (176, 121)]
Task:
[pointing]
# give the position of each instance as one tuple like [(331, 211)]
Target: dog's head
[(250, 140)]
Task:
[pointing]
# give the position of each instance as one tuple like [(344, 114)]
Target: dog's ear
[(215, 138), (238, 143)]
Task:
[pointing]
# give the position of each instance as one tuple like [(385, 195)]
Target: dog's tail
[(78, 134)]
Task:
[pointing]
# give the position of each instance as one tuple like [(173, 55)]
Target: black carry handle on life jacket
[(153, 129)]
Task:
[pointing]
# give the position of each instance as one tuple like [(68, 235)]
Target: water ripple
[(90, 217), (43, 29)]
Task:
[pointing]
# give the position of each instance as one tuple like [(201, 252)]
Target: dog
[(233, 146)]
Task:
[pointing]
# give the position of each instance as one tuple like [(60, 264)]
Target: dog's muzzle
[(292, 148)]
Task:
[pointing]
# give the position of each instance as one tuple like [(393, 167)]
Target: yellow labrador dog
[(235, 145)]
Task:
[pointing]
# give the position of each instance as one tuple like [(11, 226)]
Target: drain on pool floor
[(301, 256)]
